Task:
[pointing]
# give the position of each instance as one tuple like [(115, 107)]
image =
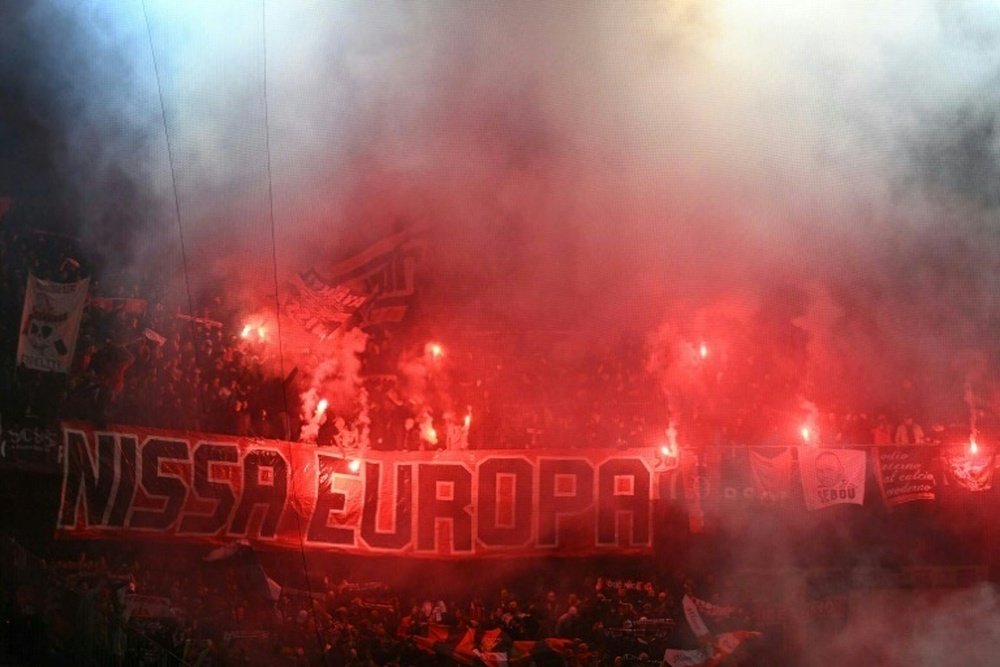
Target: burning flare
[(322, 406), (669, 448), (254, 328), (427, 431), (703, 351), (806, 434), (354, 465)]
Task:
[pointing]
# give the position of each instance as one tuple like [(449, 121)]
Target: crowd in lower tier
[(180, 609)]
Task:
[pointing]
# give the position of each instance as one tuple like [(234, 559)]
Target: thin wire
[(274, 254), (277, 317), (177, 201)]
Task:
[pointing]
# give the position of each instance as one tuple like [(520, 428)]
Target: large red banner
[(138, 483)]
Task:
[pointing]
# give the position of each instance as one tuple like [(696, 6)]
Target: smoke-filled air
[(815, 181)]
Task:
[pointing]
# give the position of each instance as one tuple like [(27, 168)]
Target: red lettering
[(623, 487), (265, 484), (565, 488), (403, 506), (158, 485), (493, 529), (126, 475), (328, 501), (445, 493), (221, 493), (86, 480)]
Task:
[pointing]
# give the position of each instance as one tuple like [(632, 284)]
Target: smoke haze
[(830, 169)]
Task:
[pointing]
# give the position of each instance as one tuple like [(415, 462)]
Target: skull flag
[(50, 323)]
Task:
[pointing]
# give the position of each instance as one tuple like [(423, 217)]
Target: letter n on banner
[(87, 479)]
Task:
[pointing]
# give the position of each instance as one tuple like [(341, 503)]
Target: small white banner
[(50, 323), (832, 476)]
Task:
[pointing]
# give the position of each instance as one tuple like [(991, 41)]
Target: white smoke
[(426, 386), (640, 158), (914, 629), (336, 378)]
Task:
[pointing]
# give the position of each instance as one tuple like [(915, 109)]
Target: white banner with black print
[(50, 323), (832, 476)]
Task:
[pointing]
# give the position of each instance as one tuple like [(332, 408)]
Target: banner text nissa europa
[(145, 483)]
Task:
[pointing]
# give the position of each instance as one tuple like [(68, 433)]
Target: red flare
[(427, 431)]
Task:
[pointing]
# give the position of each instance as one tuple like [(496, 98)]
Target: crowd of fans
[(138, 360), (109, 608), (143, 362), (513, 393)]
